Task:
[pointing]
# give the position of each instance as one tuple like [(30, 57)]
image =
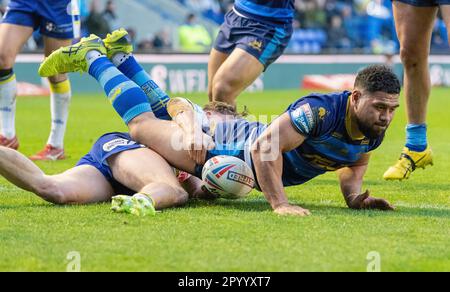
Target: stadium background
[(330, 37), (332, 40)]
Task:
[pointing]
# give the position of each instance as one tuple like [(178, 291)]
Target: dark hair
[(378, 78), (225, 109)]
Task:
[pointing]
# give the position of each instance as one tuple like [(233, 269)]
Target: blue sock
[(157, 97), (127, 98), (416, 137)]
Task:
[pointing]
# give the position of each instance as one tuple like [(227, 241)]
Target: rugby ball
[(228, 177)]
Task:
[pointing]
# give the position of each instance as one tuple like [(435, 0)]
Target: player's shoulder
[(315, 114), (326, 105)]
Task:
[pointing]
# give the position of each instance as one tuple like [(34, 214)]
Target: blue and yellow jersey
[(269, 10), (323, 119)]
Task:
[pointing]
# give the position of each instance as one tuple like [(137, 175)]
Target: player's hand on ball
[(292, 210), (198, 143), (365, 201)]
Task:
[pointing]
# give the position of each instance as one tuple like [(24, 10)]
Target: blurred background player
[(58, 22), (255, 33), (414, 21)]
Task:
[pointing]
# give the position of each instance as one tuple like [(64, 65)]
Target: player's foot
[(408, 162), (71, 58), (119, 41), (12, 143), (49, 153), (137, 205)]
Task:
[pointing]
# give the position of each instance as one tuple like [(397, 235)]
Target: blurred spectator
[(110, 15), (439, 39), (95, 22), (3, 4), (208, 8), (146, 44), (338, 39), (162, 41), (306, 41), (193, 37), (321, 26), (132, 33), (84, 13)]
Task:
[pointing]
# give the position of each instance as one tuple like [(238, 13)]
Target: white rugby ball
[(228, 177)]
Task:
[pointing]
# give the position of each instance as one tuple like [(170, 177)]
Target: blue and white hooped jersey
[(271, 10)]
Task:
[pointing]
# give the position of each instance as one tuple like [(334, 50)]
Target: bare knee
[(223, 90), (50, 191), (137, 125), (181, 197), (412, 58)]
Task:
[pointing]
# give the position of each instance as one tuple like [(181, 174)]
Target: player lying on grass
[(115, 165), (318, 133)]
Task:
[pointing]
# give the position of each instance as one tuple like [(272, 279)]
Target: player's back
[(235, 137), (271, 10)]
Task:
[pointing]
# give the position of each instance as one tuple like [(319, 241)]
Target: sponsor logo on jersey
[(113, 144), (304, 118)]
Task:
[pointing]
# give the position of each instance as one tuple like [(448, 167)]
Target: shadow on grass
[(386, 184), (261, 205)]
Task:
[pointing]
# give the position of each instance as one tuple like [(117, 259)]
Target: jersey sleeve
[(311, 117)]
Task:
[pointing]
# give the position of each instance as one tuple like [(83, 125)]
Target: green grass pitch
[(231, 235)]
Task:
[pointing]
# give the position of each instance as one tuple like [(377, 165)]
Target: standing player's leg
[(243, 49), (216, 59), (12, 39), (157, 186), (59, 23), (238, 72), (59, 105), (79, 185), (414, 27)]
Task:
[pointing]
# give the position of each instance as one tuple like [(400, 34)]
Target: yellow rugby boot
[(408, 162), (71, 58), (118, 41)]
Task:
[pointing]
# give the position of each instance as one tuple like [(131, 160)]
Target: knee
[(49, 191), (138, 125), (181, 197), (134, 128), (222, 90), (411, 57)]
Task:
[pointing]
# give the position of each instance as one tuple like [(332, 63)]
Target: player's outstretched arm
[(267, 154), (351, 181)]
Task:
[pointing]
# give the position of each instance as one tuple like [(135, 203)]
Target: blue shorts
[(425, 3), (265, 41), (59, 19), (105, 147)]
